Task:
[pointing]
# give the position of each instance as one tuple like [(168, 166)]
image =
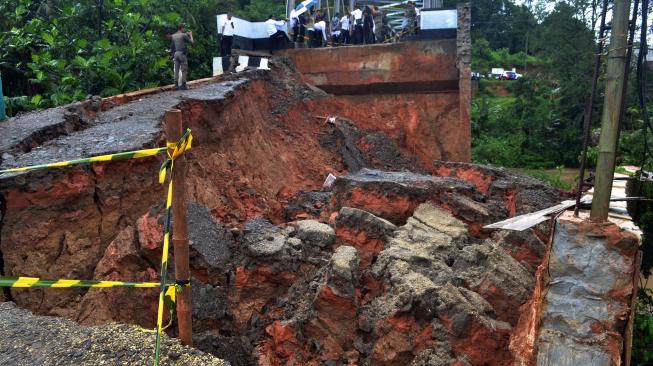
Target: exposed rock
[(315, 234), (263, 239), (520, 193), (344, 271), (209, 305), (307, 205), (392, 195), (122, 261), (210, 245), (364, 231)]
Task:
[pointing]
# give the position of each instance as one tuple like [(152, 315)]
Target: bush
[(643, 329)]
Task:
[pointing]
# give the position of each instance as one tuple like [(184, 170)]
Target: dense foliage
[(536, 122), (55, 52), (643, 329)]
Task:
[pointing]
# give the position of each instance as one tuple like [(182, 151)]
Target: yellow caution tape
[(33, 282), (126, 155)]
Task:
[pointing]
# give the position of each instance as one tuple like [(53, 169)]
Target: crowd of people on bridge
[(365, 25)]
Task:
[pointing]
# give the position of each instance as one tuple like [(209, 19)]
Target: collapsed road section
[(388, 266), (384, 263)]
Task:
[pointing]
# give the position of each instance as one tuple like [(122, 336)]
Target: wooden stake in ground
[(173, 128), (616, 62)]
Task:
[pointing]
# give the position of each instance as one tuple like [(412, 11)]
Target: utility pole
[(173, 127), (616, 64)]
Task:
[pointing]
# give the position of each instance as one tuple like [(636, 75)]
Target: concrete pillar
[(587, 304)]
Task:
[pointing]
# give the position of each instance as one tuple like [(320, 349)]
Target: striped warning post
[(252, 62), (220, 65)]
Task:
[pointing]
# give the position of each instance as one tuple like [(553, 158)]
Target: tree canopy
[(55, 52)]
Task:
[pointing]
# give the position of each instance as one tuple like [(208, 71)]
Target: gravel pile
[(33, 340)]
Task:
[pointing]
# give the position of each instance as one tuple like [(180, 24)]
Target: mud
[(388, 266)]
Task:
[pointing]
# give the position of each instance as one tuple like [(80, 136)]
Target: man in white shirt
[(274, 31), (357, 14), (320, 27), (344, 29), (228, 29)]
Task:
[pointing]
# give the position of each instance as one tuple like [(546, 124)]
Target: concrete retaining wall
[(587, 304)]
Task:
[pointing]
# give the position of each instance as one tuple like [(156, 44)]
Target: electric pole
[(616, 64)]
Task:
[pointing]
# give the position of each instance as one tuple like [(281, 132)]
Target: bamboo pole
[(589, 109), (173, 128), (616, 63)]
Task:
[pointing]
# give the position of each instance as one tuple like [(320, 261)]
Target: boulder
[(343, 274), (315, 234)]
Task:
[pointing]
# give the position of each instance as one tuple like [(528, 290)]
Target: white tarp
[(244, 28)]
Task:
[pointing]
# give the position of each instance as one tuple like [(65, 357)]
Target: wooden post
[(173, 128), (616, 64), (628, 343)]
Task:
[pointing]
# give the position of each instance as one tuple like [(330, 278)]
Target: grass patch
[(561, 178)]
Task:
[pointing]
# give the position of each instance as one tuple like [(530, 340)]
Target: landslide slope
[(389, 265)]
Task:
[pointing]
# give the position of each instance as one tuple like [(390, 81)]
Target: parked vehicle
[(510, 75)]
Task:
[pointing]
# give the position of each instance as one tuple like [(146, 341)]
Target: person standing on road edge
[(357, 15), (228, 30), (344, 29), (368, 26), (274, 33), (180, 56)]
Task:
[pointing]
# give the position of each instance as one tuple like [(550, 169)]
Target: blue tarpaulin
[(3, 114)]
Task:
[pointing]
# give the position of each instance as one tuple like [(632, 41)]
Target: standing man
[(368, 26), (344, 29), (357, 14), (294, 24), (274, 33), (378, 24), (228, 29), (411, 17), (179, 40)]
